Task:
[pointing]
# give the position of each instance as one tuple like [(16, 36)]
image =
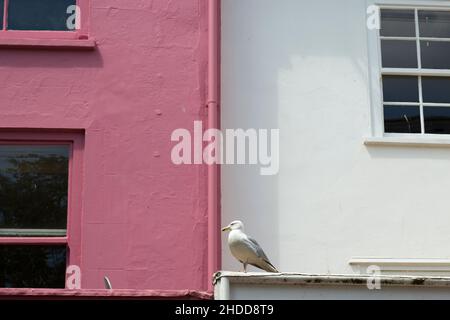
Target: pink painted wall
[(144, 220)]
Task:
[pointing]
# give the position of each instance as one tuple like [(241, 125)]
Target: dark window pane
[(436, 89), (437, 120), (400, 89), (2, 5), (33, 186), (32, 266), (434, 24), (398, 23), (402, 119), (38, 14), (399, 54), (435, 54)]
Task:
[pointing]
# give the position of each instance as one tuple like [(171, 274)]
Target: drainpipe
[(214, 240)]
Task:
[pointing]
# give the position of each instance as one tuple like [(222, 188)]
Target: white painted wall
[(302, 66), (265, 292)]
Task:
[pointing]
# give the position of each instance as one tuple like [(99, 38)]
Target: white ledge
[(419, 141), (329, 280)]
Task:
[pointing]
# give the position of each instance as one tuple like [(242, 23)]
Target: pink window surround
[(58, 39), (74, 208)]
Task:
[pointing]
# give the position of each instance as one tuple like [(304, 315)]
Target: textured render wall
[(302, 66), (144, 219)]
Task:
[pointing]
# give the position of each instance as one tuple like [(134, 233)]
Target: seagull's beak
[(228, 228)]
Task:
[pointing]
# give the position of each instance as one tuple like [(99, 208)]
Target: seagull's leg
[(245, 267)]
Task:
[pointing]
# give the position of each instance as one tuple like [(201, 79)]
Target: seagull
[(247, 250)]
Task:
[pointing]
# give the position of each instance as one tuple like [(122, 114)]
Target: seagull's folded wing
[(260, 254)]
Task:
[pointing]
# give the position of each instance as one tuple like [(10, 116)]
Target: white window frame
[(377, 134)]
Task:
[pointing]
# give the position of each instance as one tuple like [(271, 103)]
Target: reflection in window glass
[(32, 266), (402, 119), (2, 5), (434, 24), (33, 186), (437, 120), (436, 89), (48, 15), (398, 23), (400, 89), (399, 54), (435, 54)]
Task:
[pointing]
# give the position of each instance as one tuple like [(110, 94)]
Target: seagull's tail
[(269, 267)]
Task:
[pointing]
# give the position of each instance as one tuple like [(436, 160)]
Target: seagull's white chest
[(236, 236)]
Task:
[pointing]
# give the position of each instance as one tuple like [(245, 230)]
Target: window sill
[(59, 294), (33, 240), (61, 44), (408, 141)]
